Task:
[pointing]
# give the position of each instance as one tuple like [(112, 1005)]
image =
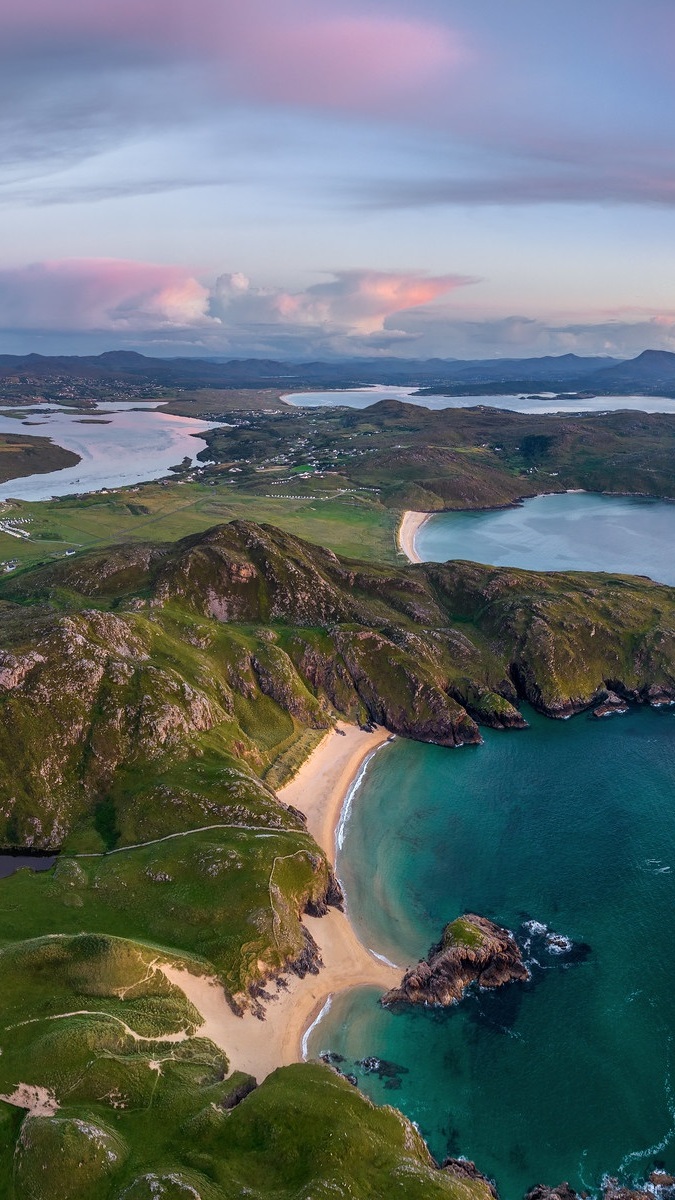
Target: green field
[(355, 525)]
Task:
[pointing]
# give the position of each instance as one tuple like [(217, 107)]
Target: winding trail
[(169, 837), (181, 1036)]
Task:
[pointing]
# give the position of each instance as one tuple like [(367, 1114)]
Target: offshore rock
[(562, 1192), (472, 950)]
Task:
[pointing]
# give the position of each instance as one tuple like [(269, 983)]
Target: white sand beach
[(411, 523), (260, 1046)]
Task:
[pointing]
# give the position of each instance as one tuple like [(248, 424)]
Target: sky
[(301, 179)]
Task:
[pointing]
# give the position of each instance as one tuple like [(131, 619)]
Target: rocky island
[(472, 950)]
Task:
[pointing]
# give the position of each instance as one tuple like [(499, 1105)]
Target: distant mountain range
[(651, 370)]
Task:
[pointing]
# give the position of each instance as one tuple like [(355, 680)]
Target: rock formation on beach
[(472, 950)]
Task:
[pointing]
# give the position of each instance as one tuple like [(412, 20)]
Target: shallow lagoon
[(568, 532), (126, 445)]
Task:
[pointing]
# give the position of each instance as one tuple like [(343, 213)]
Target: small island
[(471, 950)]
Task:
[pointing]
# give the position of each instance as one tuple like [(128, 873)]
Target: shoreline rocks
[(659, 1184)]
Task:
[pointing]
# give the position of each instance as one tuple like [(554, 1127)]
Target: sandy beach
[(259, 1047), (411, 523), (321, 785)]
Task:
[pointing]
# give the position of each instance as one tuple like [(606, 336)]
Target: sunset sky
[(294, 178)]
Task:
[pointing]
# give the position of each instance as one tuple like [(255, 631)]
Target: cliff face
[(472, 950)]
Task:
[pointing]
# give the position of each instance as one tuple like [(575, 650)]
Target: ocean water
[(571, 824), (543, 403), (568, 532)]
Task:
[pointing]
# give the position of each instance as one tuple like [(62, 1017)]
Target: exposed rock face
[(14, 670), (462, 1168), (472, 950), (611, 705), (333, 898)]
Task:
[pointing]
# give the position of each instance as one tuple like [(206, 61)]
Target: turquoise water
[(569, 532), (571, 824)]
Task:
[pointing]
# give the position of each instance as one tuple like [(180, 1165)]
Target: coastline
[(320, 786), (411, 523), (258, 1047)]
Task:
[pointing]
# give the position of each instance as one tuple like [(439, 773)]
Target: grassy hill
[(152, 695)]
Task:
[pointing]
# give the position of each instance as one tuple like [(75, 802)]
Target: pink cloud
[(137, 298), (101, 294), (304, 52), (354, 301), (346, 62)]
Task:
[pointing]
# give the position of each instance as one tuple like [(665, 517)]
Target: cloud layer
[(150, 302), (101, 295), (574, 105), (167, 309), (529, 145)]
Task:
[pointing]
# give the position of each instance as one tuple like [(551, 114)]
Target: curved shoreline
[(411, 523), (319, 789)]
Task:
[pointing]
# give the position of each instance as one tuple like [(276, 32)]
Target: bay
[(566, 532), (542, 403), (569, 824)]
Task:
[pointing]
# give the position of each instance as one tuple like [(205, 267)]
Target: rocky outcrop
[(495, 709), (610, 705), (659, 1185), (562, 1192), (472, 950), (463, 1169), (333, 898), (13, 669)]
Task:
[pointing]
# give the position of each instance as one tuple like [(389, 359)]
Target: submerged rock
[(472, 950)]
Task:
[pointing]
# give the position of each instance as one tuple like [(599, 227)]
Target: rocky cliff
[(232, 643)]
